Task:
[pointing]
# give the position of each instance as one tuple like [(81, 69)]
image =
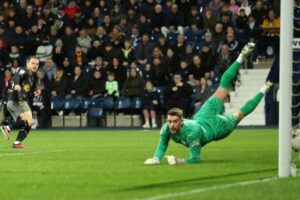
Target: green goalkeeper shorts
[(212, 115)]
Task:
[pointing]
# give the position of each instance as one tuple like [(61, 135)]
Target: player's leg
[(229, 75), (250, 105), (23, 132)]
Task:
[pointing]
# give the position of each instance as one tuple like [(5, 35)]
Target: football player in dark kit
[(21, 91)]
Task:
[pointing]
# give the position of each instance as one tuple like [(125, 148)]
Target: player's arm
[(161, 148), (194, 146)]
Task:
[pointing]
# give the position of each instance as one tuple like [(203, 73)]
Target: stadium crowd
[(162, 53)]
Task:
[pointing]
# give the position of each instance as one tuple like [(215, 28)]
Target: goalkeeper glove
[(152, 161), (172, 160)]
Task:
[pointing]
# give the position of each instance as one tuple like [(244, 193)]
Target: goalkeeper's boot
[(5, 131), (19, 146), (247, 50)]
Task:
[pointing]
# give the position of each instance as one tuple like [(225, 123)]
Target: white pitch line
[(28, 153), (200, 190)]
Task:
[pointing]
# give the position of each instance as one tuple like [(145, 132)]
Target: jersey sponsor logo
[(195, 143), (26, 87)]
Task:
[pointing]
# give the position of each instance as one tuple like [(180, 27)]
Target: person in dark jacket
[(96, 86), (178, 94), (77, 85), (134, 84), (58, 84), (150, 100)]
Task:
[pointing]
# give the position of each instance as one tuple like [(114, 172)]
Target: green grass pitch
[(108, 164)]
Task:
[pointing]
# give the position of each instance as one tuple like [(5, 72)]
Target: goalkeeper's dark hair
[(175, 112)]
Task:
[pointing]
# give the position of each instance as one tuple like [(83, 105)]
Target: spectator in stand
[(156, 53), (178, 94), (120, 71), (216, 6), (43, 78), (99, 66), (223, 60), (202, 93), (77, 85), (209, 20), (4, 56), (101, 35), (71, 8), (107, 24), (58, 84), (45, 50), (194, 21), (87, 7), (116, 38), (253, 29), (180, 45), (97, 16), (185, 70), (68, 68), (133, 85), (245, 6), (218, 34), (207, 58), (109, 53), (111, 86), (78, 57), (175, 21), (197, 69), (125, 26), (15, 66), (14, 54), (49, 68), (78, 21), (259, 12), (96, 85), (150, 100), (7, 75), (69, 40), (161, 74), (135, 36), (143, 25), (143, 49), (188, 54), (172, 61), (95, 51), (28, 18), (233, 44), (127, 53), (234, 8), (226, 16), (241, 21), (84, 40), (158, 18), (271, 31), (163, 44), (147, 8), (33, 39), (58, 53), (48, 16), (19, 38), (116, 14)]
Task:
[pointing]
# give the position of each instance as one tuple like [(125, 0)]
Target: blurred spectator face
[(133, 65), (29, 9), (23, 3), (77, 71), (96, 43), (11, 13), (150, 1), (194, 11), (69, 31), (108, 47), (102, 3), (41, 22), (145, 39), (116, 9), (14, 49), (127, 44), (202, 81), (78, 49), (11, 25), (123, 21), (100, 30), (143, 19), (242, 13), (82, 33), (96, 11), (72, 4), (87, 3), (230, 37), (115, 62), (196, 60), (106, 19), (48, 63), (40, 74), (2, 44), (34, 28), (46, 10), (174, 9), (244, 3), (225, 8), (97, 74), (258, 5), (19, 30), (99, 61), (208, 12), (180, 38), (66, 62), (224, 49), (217, 1), (177, 78), (133, 72), (157, 52), (225, 19), (189, 49), (111, 77), (149, 86), (156, 61), (116, 30), (38, 2), (183, 64), (170, 53), (219, 28), (232, 2), (158, 9), (134, 31), (162, 40), (7, 73), (230, 29), (271, 15), (205, 49), (251, 19), (15, 63), (91, 21)]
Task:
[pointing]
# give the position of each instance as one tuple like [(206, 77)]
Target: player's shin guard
[(21, 136), (252, 104), (229, 75)]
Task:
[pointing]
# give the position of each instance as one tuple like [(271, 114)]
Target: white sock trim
[(240, 59)]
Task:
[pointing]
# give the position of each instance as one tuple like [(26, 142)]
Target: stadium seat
[(172, 37), (160, 91), (109, 103), (72, 103), (97, 102), (95, 113), (123, 103), (136, 103), (86, 102), (57, 103)]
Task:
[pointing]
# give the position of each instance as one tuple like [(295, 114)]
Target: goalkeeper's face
[(174, 123)]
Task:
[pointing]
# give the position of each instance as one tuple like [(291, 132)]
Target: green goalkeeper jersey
[(192, 135)]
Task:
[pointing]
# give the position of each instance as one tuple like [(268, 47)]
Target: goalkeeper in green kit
[(210, 123)]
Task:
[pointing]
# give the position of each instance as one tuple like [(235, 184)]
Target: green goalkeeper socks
[(229, 75), (251, 104)]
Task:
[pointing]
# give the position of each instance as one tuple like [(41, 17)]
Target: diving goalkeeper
[(210, 123)]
